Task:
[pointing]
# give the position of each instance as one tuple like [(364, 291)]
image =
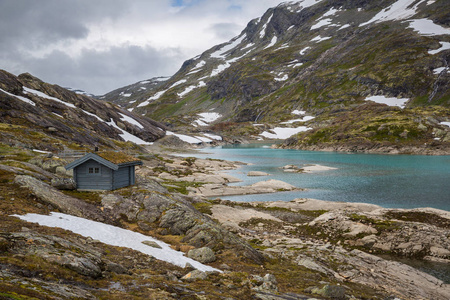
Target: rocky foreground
[(303, 249)]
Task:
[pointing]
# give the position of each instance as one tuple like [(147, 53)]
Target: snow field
[(115, 236), (388, 101)]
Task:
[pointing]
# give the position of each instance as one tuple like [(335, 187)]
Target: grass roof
[(117, 157)]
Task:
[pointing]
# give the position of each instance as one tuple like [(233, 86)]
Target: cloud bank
[(102, 45)]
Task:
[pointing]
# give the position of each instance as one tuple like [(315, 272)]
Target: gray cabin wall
[(122, 177), (100, 181)]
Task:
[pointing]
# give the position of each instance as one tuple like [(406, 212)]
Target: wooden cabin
[(104, 170)]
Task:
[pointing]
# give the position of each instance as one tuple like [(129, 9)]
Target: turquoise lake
[(391, 181)]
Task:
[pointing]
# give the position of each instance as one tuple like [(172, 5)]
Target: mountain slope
[(326, 58), (35, 114)]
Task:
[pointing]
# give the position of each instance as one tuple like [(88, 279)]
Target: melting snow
[(445, 123), (444, 46), (125, 95), (397, 11), (191, 88), (219, 69), (203, 139), (283, 133), (427, 27), (439, 70), (272, 42), (152, 98), (144, 82), (304, 119), (19, 97), (131, 120), (302, 52), (115, 236), (388, 101), (284, 78), (321, 23), (126, 136), (206, 118), (185, 138), (344, 26), (221, 52), (177, 83), (262, 33), (213, 136), (298, 112), (306, 3), (320, 39), (42, 95)]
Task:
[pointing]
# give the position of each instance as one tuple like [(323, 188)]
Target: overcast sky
[(101, 45)]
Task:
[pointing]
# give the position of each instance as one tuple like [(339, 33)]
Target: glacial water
[(391, 181)]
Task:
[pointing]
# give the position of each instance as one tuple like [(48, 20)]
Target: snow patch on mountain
[(131, 120), (43, 95), (213, 136), (177, 83), (185, 138), (319, 39), (427, 27), (191, 88), (273, 41), (26, 100), (234, 43), (444, 46), (298, 112), (399, 102), (206, 118), (152, 98), (439, 70), (399, 10), (125, 95), (283, 78), (304, 119), (262, 33), (126, 136), (302, 52), (305, 4), (281, 133)]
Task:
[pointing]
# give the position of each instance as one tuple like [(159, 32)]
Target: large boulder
[(203, 255), (64, 184)]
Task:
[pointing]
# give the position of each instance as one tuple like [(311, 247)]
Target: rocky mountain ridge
[(329, 59), (38, 115)]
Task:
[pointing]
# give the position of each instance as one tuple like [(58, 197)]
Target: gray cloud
[(225, 30), (104, 71), (35, 24), (102, 45)]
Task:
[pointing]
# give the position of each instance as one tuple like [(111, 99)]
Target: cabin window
[(94, 170)]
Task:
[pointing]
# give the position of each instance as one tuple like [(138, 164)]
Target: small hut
[(104, 170)]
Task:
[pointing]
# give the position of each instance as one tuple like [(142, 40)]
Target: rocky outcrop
[(175, 215), (262, 187), (51, 196), (64, 117), (203, 255), (326, 244)]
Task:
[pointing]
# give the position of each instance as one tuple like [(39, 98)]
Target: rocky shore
[(302, 249)]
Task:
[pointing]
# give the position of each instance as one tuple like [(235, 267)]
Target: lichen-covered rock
[(195, 275), (49, 195), (203, 255), (64, 183)]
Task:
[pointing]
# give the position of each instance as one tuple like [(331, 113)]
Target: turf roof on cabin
[(117, 157)]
